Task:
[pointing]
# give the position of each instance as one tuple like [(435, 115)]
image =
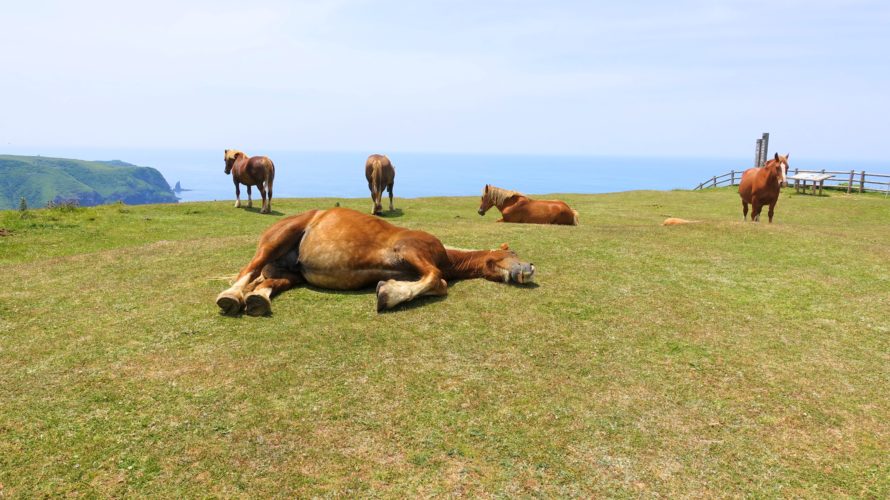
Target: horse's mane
[(499, 195), (231, 153)]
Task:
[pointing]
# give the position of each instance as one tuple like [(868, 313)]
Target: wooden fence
[(849, 180)]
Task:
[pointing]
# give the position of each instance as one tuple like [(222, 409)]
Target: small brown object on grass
[(674, 221)]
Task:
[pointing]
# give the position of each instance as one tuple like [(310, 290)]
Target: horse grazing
[(343, 249), (381, 175), (256, 171), (761, 186), (516, 207)]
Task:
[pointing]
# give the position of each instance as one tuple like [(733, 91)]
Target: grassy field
[(715, 359)]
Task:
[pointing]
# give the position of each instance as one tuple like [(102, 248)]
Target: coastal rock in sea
[(177, 188)]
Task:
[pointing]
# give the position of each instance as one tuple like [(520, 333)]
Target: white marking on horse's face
[(782, 169)]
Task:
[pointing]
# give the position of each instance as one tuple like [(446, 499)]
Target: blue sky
[(686, 78)]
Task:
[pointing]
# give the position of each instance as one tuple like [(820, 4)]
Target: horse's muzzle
[(522, 273), (480, 212)]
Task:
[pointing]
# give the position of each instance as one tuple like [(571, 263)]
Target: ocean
[(341, 174)]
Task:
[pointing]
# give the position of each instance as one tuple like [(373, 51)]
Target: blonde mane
[(497, 195), (231, 153)]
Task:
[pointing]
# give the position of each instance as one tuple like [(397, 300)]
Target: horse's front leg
[(249, 197), (392, 293), (389, 189), (756, 207), (744, 210), (237, 195), (772, 209)]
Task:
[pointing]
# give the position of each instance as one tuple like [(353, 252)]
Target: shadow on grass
[(392, 214), (404, 306), (257, 211)]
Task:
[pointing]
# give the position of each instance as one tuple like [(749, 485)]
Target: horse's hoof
[(382, 296), (257, 304), (229, 304)]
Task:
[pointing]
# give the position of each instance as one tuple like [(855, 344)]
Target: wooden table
[(809, 177)]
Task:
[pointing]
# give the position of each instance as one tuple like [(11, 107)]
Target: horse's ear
[(777, 156), (505, 246), (788, 155)]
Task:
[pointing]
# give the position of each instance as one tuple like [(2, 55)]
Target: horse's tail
[(270, 177), (575, 220)]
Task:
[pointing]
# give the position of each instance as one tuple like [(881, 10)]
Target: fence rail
[(851, 180)]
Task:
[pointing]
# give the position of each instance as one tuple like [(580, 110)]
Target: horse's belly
[(349, 279), (341, 266)]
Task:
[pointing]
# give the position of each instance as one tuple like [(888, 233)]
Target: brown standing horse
[(256, 171), (343, 249), (381, 175), (761, 186), (516, 207)]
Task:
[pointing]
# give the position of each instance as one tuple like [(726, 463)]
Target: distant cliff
[(40, 180)]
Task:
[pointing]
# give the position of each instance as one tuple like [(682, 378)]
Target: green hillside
[(717, 359), (40, 180)]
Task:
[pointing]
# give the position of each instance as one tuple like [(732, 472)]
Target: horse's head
[(230, 156), (487, 202), (780, 163), (504, 265)]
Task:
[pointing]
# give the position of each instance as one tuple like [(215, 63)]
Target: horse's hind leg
[(392, 293), (745, 210), (262, 190), (389, 189), (755, 211), (249, 197), (276, 280), (275, 242)]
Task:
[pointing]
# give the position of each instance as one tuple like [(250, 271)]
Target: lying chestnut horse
[(343, 249), (516, 207), (381, 175), (256, 171), (761, 186)]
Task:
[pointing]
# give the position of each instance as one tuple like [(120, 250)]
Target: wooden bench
[(809, 177)]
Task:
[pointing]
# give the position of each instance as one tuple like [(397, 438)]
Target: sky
[(644, 78)]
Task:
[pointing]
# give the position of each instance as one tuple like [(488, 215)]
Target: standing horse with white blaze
[(256, 171), (380, 175), (761, 186)]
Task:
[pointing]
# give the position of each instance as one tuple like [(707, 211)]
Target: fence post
[(850, 184), (764, 151), (862, 182), (758, 153), (732, 179), (714, 181)]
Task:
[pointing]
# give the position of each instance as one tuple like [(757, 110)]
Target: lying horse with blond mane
[(256, 171), (380, 175), (343, 249), (517, 207), (761, 186)]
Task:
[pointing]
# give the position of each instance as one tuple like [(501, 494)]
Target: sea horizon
[(314, 174)]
